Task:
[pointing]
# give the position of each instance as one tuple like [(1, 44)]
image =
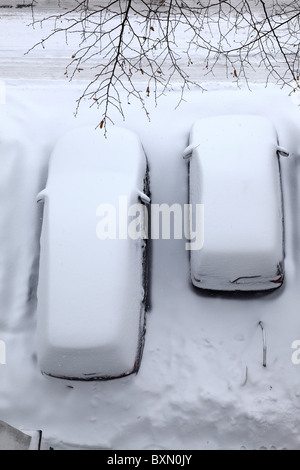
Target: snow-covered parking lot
[(202, 384)]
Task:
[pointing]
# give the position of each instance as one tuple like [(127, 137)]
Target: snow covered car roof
[(90, 295), (234, 172)]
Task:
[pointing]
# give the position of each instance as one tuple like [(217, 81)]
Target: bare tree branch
[(136, 45)]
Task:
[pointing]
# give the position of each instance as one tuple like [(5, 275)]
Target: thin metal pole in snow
[(264, 343)]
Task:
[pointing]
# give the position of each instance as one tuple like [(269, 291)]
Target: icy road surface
[(17, 37)]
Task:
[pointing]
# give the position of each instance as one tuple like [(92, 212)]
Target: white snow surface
[(234, 173), (201, 382), (90, 295)]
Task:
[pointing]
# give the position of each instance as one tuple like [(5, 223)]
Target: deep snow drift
[(201, 383)]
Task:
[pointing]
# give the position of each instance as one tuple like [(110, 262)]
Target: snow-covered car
[(234, 171), (92, 293)]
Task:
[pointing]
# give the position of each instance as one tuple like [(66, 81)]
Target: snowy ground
[(201, 384)]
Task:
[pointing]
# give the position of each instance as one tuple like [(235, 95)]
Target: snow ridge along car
[(234, 171), (92, 292)]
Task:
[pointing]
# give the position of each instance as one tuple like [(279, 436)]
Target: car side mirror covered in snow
[(282, 152), (40, 199), (187, 153)]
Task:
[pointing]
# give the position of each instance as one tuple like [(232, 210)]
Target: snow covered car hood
[(90, 312), (234, 172)]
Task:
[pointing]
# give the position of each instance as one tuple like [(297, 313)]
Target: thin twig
[(264, 343), (123, 41)]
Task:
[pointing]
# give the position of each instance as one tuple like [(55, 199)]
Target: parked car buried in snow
[(234, 171), (92, 291)]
